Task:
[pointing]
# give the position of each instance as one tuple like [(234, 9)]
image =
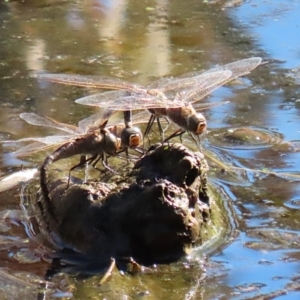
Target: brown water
[(140, 41)]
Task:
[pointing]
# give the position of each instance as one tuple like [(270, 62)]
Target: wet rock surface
[(154, 215)]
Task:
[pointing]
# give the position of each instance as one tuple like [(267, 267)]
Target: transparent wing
[(94, 121), (34, 119), (48, 140), (41, 144), (31, 148), (125, 100), (179, 84), (238, 68), (90, 81), (193, 92), (141, 117), (204, 87)]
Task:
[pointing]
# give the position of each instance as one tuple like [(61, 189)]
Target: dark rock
[(156, 218)]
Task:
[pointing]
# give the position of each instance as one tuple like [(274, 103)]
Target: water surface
[(141, 41)]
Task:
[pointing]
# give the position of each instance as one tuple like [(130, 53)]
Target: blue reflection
[(276, 25)]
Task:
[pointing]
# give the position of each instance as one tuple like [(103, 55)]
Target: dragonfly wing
[(124, 100), (30, 149), (141, 117), (34, 119), (203, 85), (90, 81), (196, 83), (94, 121), (238, 68), (48, 140)]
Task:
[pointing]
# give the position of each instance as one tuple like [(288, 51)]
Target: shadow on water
[(256, 255)]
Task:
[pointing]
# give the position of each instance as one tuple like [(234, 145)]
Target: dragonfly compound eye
[(201, 127), (131, 137), (112, 143)]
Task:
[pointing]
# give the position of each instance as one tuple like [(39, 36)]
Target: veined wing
[(237, 68), (181, 84), (206, 85), (125, 100), (31, 148), (48, 140), (41, 143), (34, 119), (101, 82), (94, 121), (187, 81)]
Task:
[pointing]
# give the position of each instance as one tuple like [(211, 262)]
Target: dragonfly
[(166, 97), (130, 137), (96, 143)]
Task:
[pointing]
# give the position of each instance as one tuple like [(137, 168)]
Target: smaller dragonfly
[(97, 143), (168, 97), (130, 136)]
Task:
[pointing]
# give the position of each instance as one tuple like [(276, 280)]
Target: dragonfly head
[(131, 137), (197, 124)]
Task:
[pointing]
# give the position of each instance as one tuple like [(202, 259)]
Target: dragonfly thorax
[(111, 144)]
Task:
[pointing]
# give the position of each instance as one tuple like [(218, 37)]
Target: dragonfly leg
[(197, 140), (83, 160), (103, 159), (104, 163), (168, 123), (121, 151), (161, 130), (149, 126), (178, 132)]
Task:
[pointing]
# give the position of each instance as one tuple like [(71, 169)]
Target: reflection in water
[(113, 19), (34, 56), (155, 59)]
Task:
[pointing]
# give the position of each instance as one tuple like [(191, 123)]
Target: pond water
[(141, 41)]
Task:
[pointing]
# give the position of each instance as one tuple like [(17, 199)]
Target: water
[(141, 41)]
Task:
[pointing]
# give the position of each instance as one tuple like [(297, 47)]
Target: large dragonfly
[(168, 97)]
